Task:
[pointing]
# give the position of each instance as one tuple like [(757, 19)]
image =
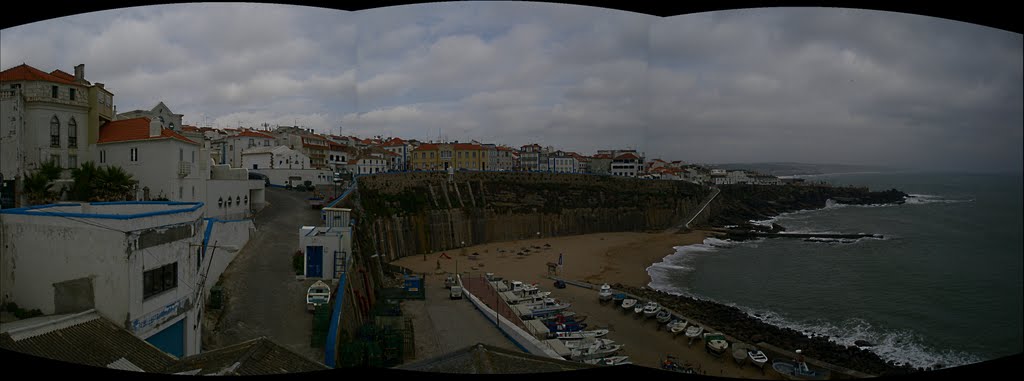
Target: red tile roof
[(62, 75), (503, 148), (603, 156), (190, 128), (253, 134), (133, 130), (627, 155), (426, 147), (467, 147), (24, 72), (394, 142)]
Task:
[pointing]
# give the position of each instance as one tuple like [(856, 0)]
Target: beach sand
[(595, 258)]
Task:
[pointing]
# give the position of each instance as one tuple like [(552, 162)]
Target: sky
[(828, 85)]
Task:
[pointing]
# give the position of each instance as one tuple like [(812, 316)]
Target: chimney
[(154, 128), (80, 73), (100, 85)]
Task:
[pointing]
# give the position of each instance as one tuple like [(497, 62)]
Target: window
[(72, 133), (255, 166), (72, 161), (252, 142), (193, 156), (103, 156), (266, 143), (55, 132), (181, 154), (72, 94), (181, 192), (53, 91), (193, 192), (171, 126), (55, 159), (160, 279), (134, 155)]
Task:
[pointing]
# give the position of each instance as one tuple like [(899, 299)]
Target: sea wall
[(414, 213)]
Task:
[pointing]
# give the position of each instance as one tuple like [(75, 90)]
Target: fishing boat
[(757, 358), (561, 315), (663, 317), (319, 293), (566, 327), (628, 304), (651, 309), (715, 343), (610, 361), (740, 355), (530, 290), (676, 326), (547, 306), (618, 298), (693, 332), (587, 343), (798, 370), (605, 293), (594, 352), (670, 363), (638, 309), (580, 335)]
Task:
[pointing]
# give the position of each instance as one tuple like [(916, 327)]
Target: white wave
[(899, 346), (914, 199)]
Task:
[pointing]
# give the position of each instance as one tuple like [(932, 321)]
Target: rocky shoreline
[(734, 322), (737, 205)]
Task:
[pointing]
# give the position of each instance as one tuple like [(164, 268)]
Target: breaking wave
[(931, 199)]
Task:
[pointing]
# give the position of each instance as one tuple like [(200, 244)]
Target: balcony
[(184, 168)]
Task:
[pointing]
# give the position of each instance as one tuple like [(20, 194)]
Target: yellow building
[(439, 157)]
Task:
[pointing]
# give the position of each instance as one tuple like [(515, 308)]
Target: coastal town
[(211, 243)]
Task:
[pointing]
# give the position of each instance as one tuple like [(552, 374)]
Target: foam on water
[(916, 199), (896, 345)]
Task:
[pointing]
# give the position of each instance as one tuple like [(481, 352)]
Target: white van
[(456, 292)]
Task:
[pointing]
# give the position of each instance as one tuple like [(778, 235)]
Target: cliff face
[(738, 204), (410, 214)]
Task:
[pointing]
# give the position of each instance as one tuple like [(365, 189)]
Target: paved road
[(442, 325), (263, 296)]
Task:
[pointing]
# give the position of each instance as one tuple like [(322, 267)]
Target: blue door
[(171, 339), (314, 261)]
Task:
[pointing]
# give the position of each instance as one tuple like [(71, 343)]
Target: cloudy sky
[(756, 85)]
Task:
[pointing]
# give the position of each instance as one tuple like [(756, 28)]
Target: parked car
[(456, 292)]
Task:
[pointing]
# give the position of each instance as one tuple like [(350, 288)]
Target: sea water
[(944, 285)]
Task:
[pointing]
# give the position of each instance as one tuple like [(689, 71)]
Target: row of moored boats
[(569, 328)]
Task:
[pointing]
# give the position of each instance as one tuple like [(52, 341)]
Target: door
[(171, 339), (314, 261)]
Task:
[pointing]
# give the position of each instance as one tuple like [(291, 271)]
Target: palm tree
[(85, 177), (37, 188), (50, 170), (114, 183)]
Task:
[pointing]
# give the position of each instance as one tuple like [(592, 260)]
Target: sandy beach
[(595, 258)]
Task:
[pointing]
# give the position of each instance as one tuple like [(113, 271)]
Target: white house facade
[(326, 249)]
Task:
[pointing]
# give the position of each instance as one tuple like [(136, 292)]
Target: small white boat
[(319, 293), (594, 352), (740, 355), (651, 309), (628, 303), (610, 361), (580, 335), (530, 290), (638, 309), (663, 317), (715, 343), (676, 326), (693, 332), (588, 343), (757, 358), (605, 293)]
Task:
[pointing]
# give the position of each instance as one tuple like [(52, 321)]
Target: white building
[(279, 157), (401, 150), (136, 263), (160, 113), (561, 162), (234, 145), (47, 117), (627, 164), (326, 249), (170, 166), (338, 156)]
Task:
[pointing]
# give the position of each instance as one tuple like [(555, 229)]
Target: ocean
[(944, 285)]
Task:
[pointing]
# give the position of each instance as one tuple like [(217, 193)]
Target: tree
[(114, 184), (85, 177), (50, 170), (37, 188)]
